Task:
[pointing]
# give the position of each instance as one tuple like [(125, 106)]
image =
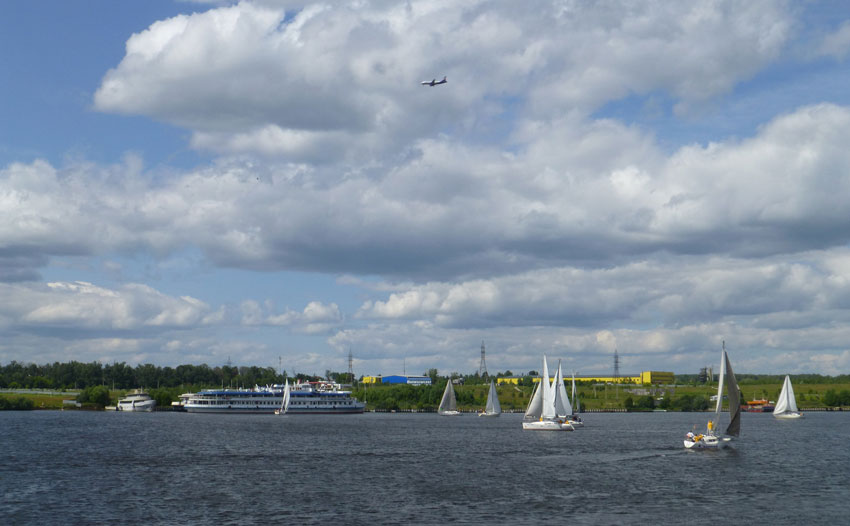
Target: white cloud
[(498, 207), (316, 318), (836, 44), (84, 306), (342, 82), (452, 211), (661, 291)]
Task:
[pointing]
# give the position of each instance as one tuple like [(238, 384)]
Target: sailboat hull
[(449, 413), (489, 414), (708, 442), (547, 425), (788, 416)]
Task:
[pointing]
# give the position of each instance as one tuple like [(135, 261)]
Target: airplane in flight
[(434, 82)]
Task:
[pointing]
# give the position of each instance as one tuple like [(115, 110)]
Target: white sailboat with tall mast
[(541, 414), (493, 407), (563, 407), (710, 439), (786, 405), (284, 403), (574, 419), (448, 404)]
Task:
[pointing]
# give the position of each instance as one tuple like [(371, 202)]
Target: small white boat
[(284, 403), (710, 439), (574, 419), (541, 415), (448, 404), (563, 408), (139, 401), (786, 405), (493, 407)]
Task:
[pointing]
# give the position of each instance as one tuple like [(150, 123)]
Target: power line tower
[(482, 368), (616, 366), (616, 374)]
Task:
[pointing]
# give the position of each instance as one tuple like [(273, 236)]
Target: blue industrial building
[(402, 379)]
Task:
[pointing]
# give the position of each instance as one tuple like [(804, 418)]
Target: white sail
[(284, 403), (576, 406), (720, 380), (548, 412), (711, 439), (563, 408), (786, 403), (449, 402), (493, 406), (535, 405)]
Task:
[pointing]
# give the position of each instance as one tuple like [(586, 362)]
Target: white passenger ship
[(305, 398), (138, 401)]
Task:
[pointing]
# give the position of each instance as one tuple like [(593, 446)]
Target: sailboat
[(493, 407), (786, 406), (563, 407), (710, 439), (284, 403), (574, 419), (541, 414), (448, 405)]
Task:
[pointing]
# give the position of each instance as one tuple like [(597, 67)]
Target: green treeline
[(18, 403), (833, 398), (471, 395), (102, 384), (683, 402), (78, 375), (758, 379)]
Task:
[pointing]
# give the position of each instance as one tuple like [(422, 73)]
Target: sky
[(268, 183)]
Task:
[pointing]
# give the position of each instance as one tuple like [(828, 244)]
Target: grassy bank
[(39, 400), (473, 397)]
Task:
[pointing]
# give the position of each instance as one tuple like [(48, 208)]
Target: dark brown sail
[(732, 393)]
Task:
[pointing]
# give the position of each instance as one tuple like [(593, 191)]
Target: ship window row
[(312, 402), (234, 402)]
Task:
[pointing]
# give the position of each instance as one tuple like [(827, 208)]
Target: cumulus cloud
[(81, 305), (316, 318), (453, 211), (661, 291), (498, 207), (319, 83)]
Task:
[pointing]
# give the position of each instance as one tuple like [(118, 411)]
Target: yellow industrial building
[(646, 377)]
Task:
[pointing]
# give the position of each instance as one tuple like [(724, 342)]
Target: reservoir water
[(75, 467)]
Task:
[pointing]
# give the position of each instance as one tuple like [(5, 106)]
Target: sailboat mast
[(720, 379)]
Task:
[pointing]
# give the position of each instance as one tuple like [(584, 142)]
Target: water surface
[(74, 467)]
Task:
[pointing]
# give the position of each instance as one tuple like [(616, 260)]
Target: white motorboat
[(138, 401)]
